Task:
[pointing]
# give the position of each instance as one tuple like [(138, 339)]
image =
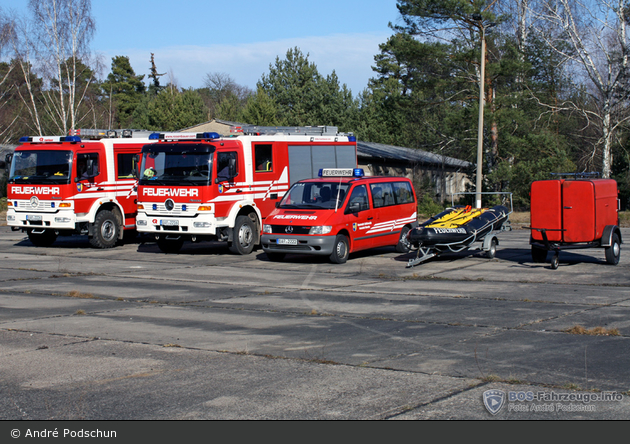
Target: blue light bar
[(183, 136)]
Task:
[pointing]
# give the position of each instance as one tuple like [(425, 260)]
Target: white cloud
[(351, 56)]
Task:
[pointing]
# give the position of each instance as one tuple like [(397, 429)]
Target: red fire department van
[(77, 184), (196, 187), (339, 213)]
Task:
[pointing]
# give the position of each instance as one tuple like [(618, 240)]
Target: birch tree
[(591, 36)]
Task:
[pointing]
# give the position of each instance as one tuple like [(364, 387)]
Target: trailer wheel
[(614, 251), (539, 255), (403, 245), (555, 262), (492, 251), (106, 230), (341, 250), (45, 239), (244, 236), (170, 245)]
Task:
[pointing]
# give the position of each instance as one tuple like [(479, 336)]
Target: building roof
[(390, 152)]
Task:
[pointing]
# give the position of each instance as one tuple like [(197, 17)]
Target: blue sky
[(191, 38)]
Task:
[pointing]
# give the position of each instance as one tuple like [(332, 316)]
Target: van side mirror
[(353, 207)]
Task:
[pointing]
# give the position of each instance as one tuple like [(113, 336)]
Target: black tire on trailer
[(170, 245), (245, 235), (106, 230), (491, 253), (555, 261), (341, 250), (403, 245), (45, 239), (539, 255), (614, 251)]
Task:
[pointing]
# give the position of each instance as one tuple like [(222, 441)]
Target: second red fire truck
[(195, 187)]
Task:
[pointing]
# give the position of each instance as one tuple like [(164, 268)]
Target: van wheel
[(403, 245), (275, 257), (341, 250), (45, 239), (244, 236), (170, 245), (106, 230), (614, 251)]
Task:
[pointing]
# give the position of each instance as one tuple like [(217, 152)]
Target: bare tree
[(591, 36)]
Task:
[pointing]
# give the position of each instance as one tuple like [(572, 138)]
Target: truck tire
[(45, 239), (244, 236), (106, 230), (403, 245), (614, 251), (341, 250), (170, 245)]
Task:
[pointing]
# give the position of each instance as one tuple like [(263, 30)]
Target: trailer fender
[(609, 230), (487, 242)]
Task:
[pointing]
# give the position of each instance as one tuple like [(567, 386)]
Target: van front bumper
[(319, 245)]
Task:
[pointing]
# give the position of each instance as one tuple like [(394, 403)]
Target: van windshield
[(325, 195)]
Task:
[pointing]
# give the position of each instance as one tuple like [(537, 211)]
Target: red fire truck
[(195, 187), (78, 184)]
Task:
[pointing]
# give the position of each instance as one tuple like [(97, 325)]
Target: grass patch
[(79, 295), (595, 331)]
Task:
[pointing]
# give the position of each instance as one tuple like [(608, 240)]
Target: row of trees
[(556, 92)]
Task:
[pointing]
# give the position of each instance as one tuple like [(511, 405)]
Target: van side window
[(382, 194), (359, 195), (262, 158), (403, 192)]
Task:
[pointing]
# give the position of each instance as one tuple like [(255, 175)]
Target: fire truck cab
[(195, 187), (78, 184)]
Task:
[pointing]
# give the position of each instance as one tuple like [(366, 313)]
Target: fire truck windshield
[(325, 195), (176, 167), (41, 166)]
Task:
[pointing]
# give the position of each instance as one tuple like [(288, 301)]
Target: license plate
[(170, 223), (33, 218), (287, 241)]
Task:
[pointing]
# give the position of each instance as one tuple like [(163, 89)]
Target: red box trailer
[(576, 213)]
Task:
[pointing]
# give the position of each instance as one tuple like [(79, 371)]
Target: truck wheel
[(244, 236), (170, 245), (45, 239), (614, 251), (403, 245), (341, 250), (106, 230), (539, 255)]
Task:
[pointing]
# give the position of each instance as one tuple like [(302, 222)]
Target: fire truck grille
[(289, 229)]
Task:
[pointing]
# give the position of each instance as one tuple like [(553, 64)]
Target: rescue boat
[(458, 227)]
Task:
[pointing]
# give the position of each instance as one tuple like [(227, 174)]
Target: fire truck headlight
[(65, 205), (141, 223), (62, 220), (267, 229), (205, 208), (202, 224), (325, 229), (140, 207), (11, 218), (10, 204)]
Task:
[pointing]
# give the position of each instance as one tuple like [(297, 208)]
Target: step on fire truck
[(84, 183), (195, 187)]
